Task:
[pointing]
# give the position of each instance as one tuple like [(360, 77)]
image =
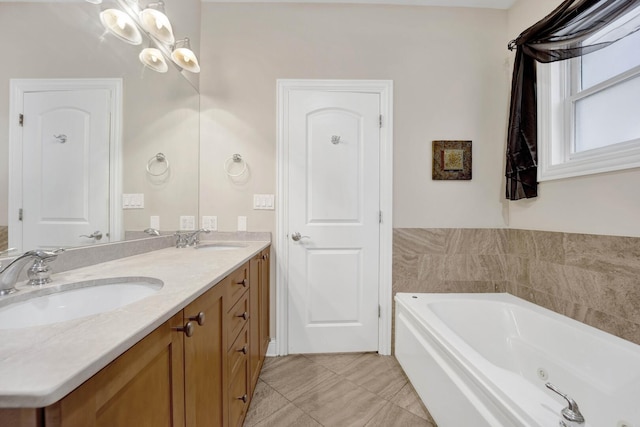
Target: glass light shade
[(158, 25), (121, 25), (152, 58), (184, 56)]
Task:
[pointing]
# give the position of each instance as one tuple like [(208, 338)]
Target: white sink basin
[(220, 246), (76, 300)]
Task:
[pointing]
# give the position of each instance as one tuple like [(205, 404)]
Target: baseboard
[(272, 349)]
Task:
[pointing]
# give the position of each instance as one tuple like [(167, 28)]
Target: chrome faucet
[(39, 273), (571, 416), (152, 232), (194, 238)]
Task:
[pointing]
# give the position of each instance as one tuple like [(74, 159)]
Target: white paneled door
[(333, 221), (65, 173)]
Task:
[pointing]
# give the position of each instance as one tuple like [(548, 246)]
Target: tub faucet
[(571, 416), (38, 273)]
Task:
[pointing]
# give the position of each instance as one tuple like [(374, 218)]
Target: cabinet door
[(254, 320), (144, 387), (204, 363), (264, 302)]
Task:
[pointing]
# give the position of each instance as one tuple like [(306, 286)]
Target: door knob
[(297, 237), (95, 235)]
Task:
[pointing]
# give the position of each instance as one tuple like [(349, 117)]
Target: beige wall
[(161, 111), (597, 204), (450, 82)]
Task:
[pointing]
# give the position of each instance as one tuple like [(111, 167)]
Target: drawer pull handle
[(265, 257), (187, 329), (244, 398), (200, 317), (243, 350), (243, 282), (244, 315)]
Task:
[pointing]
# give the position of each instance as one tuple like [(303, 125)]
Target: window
[(589, 108)]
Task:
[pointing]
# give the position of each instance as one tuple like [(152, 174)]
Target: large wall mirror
[(50, 49)]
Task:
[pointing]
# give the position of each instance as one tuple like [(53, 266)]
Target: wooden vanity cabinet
[(142, 387), (195, 370)]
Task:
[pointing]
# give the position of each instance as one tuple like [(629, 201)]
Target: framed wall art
[(451, 160)]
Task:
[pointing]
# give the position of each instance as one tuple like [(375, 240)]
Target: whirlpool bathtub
[(484, 359)]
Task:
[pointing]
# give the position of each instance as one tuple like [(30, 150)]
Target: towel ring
[(160, 158), (236, 158)]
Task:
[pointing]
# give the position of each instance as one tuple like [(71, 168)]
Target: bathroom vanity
[(189, 355)]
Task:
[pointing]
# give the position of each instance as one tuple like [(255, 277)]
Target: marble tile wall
[(4, 237), (593, 279), (449, 260)]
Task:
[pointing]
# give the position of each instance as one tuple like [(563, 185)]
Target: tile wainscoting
[(591, 278)]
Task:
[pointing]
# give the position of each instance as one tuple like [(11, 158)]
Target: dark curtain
[(560, 35)]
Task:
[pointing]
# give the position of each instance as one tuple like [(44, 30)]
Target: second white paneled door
[(333, 221)]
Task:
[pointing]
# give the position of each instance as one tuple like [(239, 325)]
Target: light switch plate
[(242, 223), (263, 202), (187, 223), (133, 201), (210, 222)]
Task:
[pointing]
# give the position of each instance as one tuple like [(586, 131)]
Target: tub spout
[(571, 416)]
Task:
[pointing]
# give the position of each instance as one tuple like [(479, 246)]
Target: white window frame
[(557, 94)]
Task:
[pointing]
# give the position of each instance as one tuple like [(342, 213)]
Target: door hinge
[(21, 120), (380, 217), (380, 120), (379, 311), (20, 214)]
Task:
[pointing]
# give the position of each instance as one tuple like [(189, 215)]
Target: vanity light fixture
[(121, 25), (156, 23), (184, 57), (152, 58)]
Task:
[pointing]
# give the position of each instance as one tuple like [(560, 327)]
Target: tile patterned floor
[(335, 390)]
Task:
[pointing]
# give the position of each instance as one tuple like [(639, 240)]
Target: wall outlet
[(154, 222), (263, 202), (242, 223), (133, 201), (187, 223), (210, 222)]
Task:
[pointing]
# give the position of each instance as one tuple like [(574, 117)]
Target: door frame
[(18, 87), (384, 88)]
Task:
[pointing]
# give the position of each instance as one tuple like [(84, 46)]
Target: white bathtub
[(483, 360)]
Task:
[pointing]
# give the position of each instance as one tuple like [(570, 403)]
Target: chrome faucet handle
[(152, 232), (181, 239), (194, 238), (571, 413), (40, 271)]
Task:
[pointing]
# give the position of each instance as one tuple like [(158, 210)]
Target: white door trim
[(18, 87), (385, 90)]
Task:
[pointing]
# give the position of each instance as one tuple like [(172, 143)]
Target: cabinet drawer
[(238, 398), (238, 353), (237, 284), (237, 318)]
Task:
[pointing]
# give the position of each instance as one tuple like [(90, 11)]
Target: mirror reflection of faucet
[(39, 273)]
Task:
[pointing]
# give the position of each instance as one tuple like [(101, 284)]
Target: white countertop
[(40, 365)]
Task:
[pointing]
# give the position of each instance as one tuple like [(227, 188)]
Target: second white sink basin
[(77, 300), (220, 246)]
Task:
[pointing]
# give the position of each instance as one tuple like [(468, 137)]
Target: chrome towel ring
[(160, 158), (236, 158)]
